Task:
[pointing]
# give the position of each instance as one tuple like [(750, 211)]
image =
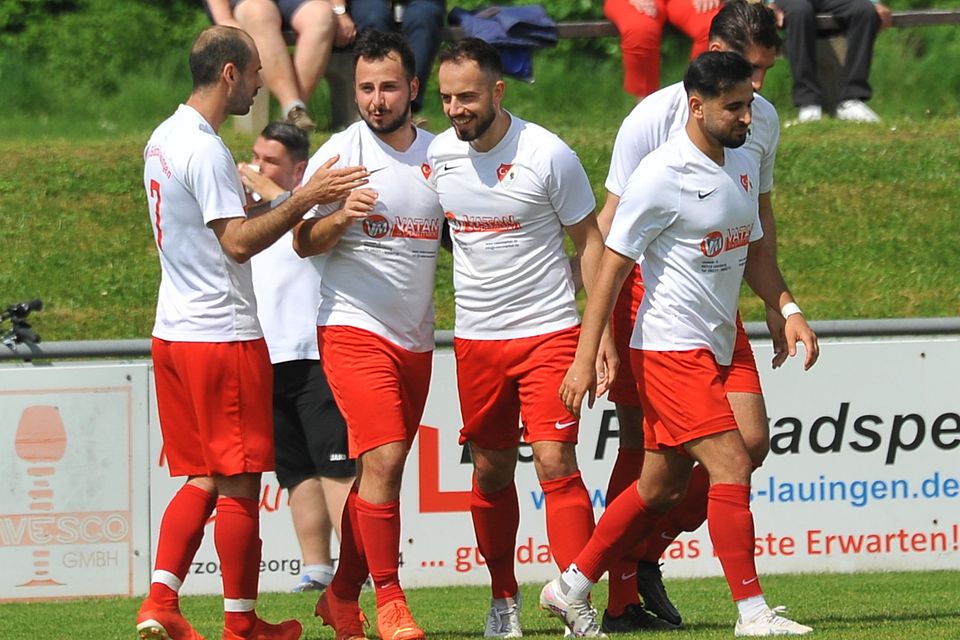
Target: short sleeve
[(647, 206), (568, 187), (639, 134), (212, 177)]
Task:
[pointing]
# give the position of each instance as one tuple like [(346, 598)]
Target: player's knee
[(258, 13), (556, 461)]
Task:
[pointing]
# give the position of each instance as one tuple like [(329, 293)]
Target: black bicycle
[(20, 331)]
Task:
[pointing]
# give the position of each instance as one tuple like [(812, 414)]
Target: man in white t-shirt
[(690, 209), (211, 365), (510, 191), (375, 323), (310, 435), (749, 29)]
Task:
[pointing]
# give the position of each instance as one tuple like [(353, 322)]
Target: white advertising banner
[(862, 475), (74, 519)]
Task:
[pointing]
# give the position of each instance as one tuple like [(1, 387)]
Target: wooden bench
[(831, 51)]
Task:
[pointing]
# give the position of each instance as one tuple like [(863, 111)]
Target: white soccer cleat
[(578, 615), (810, 113), (503, 619), (770, 623), (856, 111)]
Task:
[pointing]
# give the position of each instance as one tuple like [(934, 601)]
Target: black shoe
[(635, 618), (654, 594)]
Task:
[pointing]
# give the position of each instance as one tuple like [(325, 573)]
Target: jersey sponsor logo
[(478, 224), (419, 228), (712, 244), (738, 237), (376, 226), (426, 171), (745, 182), (506, 174)]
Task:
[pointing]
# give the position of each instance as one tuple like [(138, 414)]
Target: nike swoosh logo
[(627, 576), (702, 195), (448, 167), (666, 536), (564, 425), (750, 581)]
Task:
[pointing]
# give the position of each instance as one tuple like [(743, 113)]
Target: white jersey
[(507, 208), (191, 180), (663, 114), (693, 221), (379, 276), (288, 295)]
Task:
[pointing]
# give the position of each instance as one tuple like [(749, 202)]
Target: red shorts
[(215, 401), (505, 382), (381, 388), (684, 396), (741, 378)]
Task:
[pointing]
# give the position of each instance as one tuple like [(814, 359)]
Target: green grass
[(873, 606), (867, 214)]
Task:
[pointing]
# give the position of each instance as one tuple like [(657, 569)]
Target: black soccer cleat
[(635, 618), (654, 594)]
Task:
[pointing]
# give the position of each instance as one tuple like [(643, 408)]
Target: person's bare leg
[(751, 415), (262, 20), (335, 492), (315, 27), (311, 521)]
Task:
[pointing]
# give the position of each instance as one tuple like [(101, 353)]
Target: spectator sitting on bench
[(420, 22), (863, 20), (319, 24), (640, 23)]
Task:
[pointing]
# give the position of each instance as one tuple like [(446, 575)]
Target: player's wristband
[(280, 199), (789, 309)]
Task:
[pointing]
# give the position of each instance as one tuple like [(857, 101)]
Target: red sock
[(181, 532), (236, 535), (687, 515), (623, 584), (732, 535), (380, 531), (496, 519), (626, 519), (569, 517), (352, 569)]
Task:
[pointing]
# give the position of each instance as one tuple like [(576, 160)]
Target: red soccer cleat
[(156, 623), (394, 622), (287, 630), (344, 616)]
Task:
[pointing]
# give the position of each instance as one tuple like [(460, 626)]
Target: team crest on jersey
[(506, 174), (745, 182), (712, 244), (376, 226), (426, 171)]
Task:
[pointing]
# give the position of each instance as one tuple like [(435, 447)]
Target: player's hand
[(333, 185), (886, 17), (608, 363), (346, 31), (704, 6), (797, 330), (358, 205), (580, 382), (777, 325), (648, 7), (255, 181)]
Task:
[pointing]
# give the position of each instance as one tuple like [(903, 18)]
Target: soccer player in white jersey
[(375, 323), (310, 435), (510, 190), (690, 209), (211, 364), (749, 29)]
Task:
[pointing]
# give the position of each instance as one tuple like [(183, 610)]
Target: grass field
[(867, 219), (873, 606)]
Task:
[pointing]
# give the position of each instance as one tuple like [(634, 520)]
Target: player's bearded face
[(242, 92), (727, 118), (467, 94), (384, 93)]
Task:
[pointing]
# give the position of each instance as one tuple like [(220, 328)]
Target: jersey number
[(155, 192)]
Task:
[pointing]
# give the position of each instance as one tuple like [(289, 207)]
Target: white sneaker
[(770, 623), (856, 111), (503, 619), (578, 615), (810, 113)]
